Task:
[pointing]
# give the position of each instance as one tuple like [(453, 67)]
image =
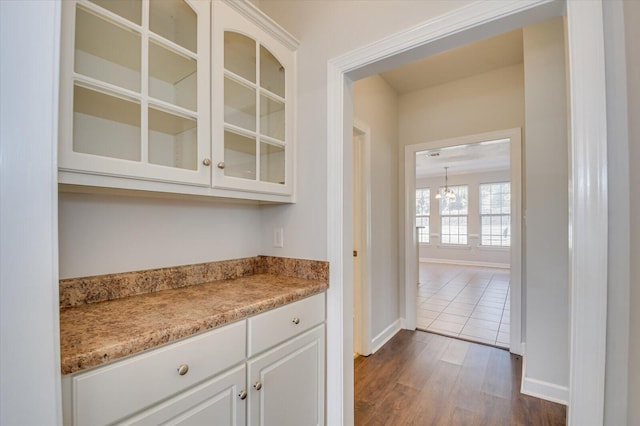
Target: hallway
[(468, 302), (420, 378)]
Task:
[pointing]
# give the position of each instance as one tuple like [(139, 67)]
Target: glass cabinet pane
[(172, 140), (128, 9), (240, 55), (271, 163), (271, 118), (239, 156), (105, 125), (239, 105), (174, 20), (107, 51), (172, 77), (271, 73)]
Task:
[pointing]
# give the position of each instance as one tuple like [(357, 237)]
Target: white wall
[(376, 104), (482, 103), (102, 234), (474, 253), (546, 208), (632, 35), (325, 30), (618, 269), (29, 342)]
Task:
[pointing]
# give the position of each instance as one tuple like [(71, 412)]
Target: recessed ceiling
[(465, 61), (475, 157)]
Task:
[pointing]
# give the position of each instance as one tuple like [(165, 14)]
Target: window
[(495, 214), (423, 204), (454, 215)]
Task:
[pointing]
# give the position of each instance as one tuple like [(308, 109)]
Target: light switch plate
[(278, 237)]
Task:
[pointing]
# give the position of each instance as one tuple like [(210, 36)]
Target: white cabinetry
[(174, 373), (287, 383), (214, 378), (176, 96), (255, 74), (133, 89), (219, 401)]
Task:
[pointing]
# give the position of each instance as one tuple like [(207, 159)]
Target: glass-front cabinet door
[(253, 106), (135, 84)]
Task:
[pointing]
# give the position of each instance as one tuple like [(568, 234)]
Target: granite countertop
[(97, 333)]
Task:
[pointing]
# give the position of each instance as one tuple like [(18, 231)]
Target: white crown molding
[(263, 21)]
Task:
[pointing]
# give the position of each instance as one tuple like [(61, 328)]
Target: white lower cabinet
[(287, 383), (217, 402), (214, 378)]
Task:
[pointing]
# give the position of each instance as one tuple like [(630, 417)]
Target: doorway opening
[(468, 234), (361, 238), (588, 205)]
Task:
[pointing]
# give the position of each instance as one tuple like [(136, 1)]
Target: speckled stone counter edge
[(100, 288)]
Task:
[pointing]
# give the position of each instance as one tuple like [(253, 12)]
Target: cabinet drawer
[(110, 393), (270, 328)]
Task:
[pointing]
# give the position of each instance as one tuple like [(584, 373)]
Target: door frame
[(362, 299), (411, 247), (588, 207)]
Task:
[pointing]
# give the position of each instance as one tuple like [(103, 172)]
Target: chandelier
[(448, 194)]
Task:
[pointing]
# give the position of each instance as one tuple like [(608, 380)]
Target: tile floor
[(468, 302)]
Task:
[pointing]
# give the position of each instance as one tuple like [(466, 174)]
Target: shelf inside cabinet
[(172, 76), (176, 21), (168, 123), (105, 125), (240, 55), (130, 10), (172, 140), (272, 73), (272, 117), (106, 51), (272, 167), (239, 104), (239, 155)]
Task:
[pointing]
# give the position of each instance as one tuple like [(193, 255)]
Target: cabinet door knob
[(243, 395), (206, 162), (183, 369), (221, 165), (296, 320), (257, 385)]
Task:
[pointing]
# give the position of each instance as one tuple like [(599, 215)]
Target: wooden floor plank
[(419, 378), (416, 373)]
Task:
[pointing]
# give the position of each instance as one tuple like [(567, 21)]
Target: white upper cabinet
[(177, 96), (134, 89), (253, 82)]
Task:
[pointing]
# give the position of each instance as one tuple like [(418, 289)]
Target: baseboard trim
[(466, 263), (541, 389), (545, 390), (386, 335)]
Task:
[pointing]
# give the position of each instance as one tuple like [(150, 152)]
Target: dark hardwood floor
[(420, 378)]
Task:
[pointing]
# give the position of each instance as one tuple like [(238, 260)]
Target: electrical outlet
[(278, 237)]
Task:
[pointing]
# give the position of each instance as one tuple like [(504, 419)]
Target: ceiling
[(465, 61), (468, 60), (475, 157)]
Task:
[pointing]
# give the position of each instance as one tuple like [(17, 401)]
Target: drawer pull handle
[(183, 369), (296, 321), (257, 385), (243, 395)]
